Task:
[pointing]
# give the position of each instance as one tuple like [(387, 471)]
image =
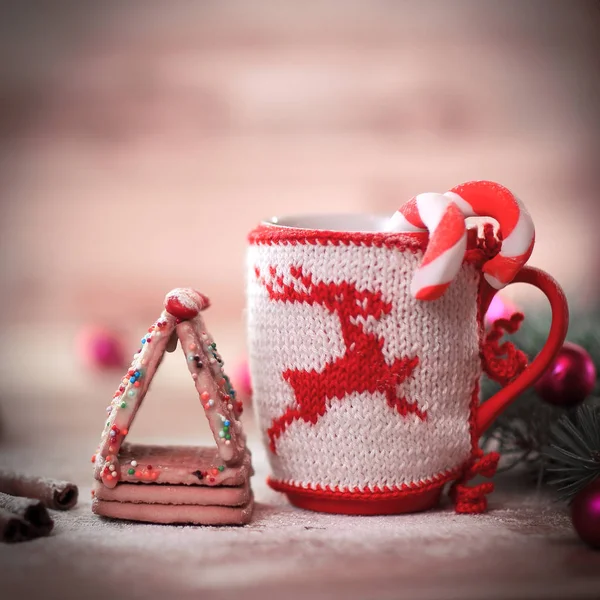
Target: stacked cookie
[(176, 484)]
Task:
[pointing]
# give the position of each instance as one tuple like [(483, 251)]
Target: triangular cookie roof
[(181, 320)]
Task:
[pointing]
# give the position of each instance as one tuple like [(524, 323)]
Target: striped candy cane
[(447, 241), (438, 213)]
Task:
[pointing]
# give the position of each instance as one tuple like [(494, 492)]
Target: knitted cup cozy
[(363, 392)]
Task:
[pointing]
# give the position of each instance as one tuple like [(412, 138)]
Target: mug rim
[(311, 221)]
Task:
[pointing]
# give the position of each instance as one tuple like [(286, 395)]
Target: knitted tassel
[(472, 500), (503, 362)]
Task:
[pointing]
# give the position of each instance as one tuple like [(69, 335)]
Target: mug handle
[(491, 409)]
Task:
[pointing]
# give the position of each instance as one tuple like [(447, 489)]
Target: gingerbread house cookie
[(176, 484)]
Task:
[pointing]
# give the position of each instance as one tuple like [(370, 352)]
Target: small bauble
[(100, 348), (569, 379), (241, 380), (585, 514), (500, 308)]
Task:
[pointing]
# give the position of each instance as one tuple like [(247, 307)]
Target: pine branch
[(573, 453)]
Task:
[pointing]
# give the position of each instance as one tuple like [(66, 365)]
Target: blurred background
[(140, 142)]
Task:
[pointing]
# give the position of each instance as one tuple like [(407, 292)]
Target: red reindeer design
[(362, 368)]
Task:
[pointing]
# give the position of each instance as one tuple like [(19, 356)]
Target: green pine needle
[(573, 454)]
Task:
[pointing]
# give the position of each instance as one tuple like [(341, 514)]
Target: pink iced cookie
[(174, 494), (181, 465), (172, 514)]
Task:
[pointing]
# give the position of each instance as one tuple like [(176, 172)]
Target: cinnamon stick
[(53, 493), (30, 510), (13, 528)]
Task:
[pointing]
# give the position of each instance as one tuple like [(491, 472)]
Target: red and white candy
[(447, 241), (185, 303), (438, 213)]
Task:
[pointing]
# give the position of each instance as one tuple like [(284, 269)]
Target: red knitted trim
[(274, 234), (375, 494), (473, 499), (503, 362), (479, 250)]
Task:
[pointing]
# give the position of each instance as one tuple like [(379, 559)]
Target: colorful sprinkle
[(131, 393), (221, 468), (123, 404), (134, 463), (131, 471)]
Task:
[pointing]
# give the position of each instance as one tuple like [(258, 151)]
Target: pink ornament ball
[(585, 514), (100, 348), (500, 308), (241, 381), (570, 379)]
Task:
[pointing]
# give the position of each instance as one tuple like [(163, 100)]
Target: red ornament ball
[(185, 303), (585, 514), (570, 379)]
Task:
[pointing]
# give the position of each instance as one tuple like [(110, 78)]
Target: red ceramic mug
[(368, 399)]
